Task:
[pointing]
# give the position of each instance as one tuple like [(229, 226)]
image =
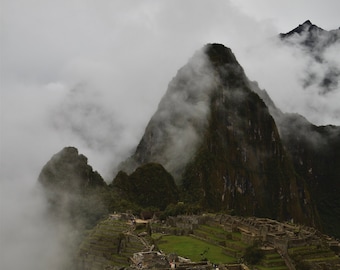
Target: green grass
[(192, 248), (157, 236), (272, 256), (214, 229), (236, 235), (221, 237), (321, 259)]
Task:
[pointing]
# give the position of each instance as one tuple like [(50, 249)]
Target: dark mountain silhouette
[(311, 32)]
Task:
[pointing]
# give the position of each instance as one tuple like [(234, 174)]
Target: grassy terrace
[(207, 242), (314, 254), (272, 261), (194, 249)]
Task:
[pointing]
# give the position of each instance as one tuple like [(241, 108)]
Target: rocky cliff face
[(241, 164), (225, 141)]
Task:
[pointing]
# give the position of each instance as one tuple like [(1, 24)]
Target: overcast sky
[(91, 73)]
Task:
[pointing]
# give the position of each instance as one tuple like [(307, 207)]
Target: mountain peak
[(69, 171), (307, 26), (315, 40), (219, 54), (308, 22)]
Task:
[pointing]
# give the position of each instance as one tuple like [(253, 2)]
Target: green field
[(193, 248)]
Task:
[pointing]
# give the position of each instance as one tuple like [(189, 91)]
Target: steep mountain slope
[(218, 139)]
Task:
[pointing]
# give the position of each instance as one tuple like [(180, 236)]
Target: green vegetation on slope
[(150, 185)]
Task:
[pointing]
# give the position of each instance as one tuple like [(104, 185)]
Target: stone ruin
[(271, 234)]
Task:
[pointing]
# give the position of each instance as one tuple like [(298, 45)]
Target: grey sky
[(287, 15)]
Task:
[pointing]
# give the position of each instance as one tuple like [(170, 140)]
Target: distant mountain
[(320, 44), (312, 36)]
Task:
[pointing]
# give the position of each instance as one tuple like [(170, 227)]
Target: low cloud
[(176, 128), (284, 72), (29, 239)]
